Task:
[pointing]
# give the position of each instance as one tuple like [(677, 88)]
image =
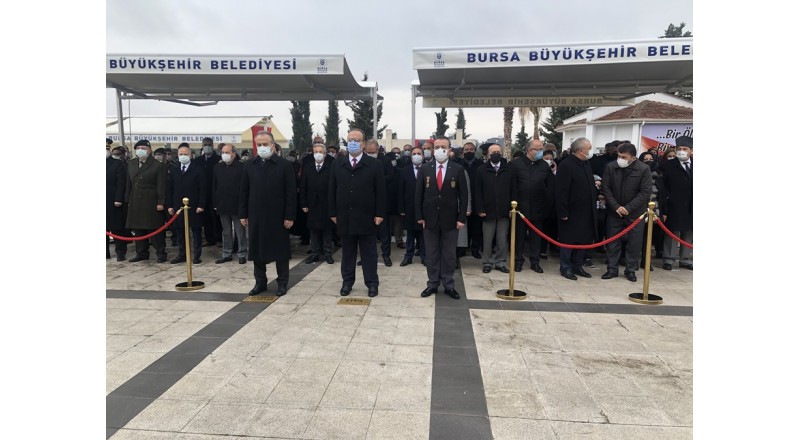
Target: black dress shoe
[(387, 261), (687, 266), (372, 291), (177, 260), (401, 245), (258, 289), (486, 269), (568, 274), (138, 258), (502, 269), (223, 260), (309, 252), (536, 268), (424, 263), (476, 254), (416, 253), (329, 259), (281, 290), (312, 259), (429, 291), (452, 293), (582, 273), (666, 266), (543, 256), (609, 274), (631, 276), (405, 262), (589, 262), (345, 290), (242, 260), (196, 261), (120, 258), (162, 259)]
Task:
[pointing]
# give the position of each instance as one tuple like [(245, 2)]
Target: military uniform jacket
[(146, 188)]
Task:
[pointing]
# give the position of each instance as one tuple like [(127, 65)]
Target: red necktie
[(354, 162), (440, 177)]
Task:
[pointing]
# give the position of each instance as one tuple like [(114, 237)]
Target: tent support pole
[(119, 119), (413, 116), (374, 112)]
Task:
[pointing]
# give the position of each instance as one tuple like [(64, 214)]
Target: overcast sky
[(376, 36)]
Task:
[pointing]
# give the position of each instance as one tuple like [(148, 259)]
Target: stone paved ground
[(575, 360)]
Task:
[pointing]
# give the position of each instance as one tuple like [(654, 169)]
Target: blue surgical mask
[(539, 154), (354, 147)]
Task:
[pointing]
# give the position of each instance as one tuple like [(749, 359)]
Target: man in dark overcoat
[(492, 191), (116, 175), (146, 196), (407, 207), (575, 202), (314, 202), (384, 229), (676, 198), (207, 161), (187, 180), (226, 189), (357, 203), (268, 207)]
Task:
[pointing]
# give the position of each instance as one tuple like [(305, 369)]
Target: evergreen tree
[(301, 125), (441, 122), (362, 112), (461, 123), (687, 92), (331, 124), (555, 119), (522, 138)]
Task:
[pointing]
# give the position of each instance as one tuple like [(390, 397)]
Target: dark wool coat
[(116, 175), (314, 195), (146, 188), (191, 184), (407, 197), (676, 195), (630, 187), (268, 197), (492, 190), (575, 198), (534, 187), (357, 196), (227, 186)]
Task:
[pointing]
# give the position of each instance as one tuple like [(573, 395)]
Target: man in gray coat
[(626, 185)]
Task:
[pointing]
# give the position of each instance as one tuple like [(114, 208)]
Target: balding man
[(492, 195), (225, 193), (575, 201), (314, 202)]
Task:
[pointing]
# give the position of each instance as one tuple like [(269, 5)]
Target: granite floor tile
[(328, 423)]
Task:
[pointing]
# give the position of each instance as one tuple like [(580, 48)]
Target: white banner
[(666, 49), (226, 64), (178, 138), (521, 101)]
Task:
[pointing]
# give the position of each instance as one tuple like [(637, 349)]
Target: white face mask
[(245, 158), (107, 154), (441, 155), (208, 149), (417, 159), (331, 154), (318, 157), (590, 154), (184, 158), (682, 155), (227, 158), (427, 154), (265, 152), (372, 155), (548, 161), (141, 153), (622, 163)]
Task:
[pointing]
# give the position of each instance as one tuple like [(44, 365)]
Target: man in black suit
[(188, 180), (357, 203), (475, 223), (226, 188), (575, 202), (384, 230), (492, 196), (207, 161), (407, 207), (313, 200), (441, 200), (676, 198), (116, 176)]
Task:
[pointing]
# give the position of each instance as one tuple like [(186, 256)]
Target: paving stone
[(391, 425), (328, 423)]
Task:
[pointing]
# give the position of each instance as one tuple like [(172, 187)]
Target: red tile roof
[(650, 110)]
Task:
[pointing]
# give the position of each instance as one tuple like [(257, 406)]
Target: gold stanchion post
[(189, 285), (644, 297), (510, 293)]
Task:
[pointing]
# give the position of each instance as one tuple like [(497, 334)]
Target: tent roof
[(234, 125), (616, 71), (202, 78), (650, 110)]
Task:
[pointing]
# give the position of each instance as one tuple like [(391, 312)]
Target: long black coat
[(630, 187), (534, 187), (676, 195), (407, 198), (492, 190), (268, 197), (441, 209), (227, 187), (357, 196), (191, 184), (116, 175), (575, 198), (207, 164), (146, 188), (314, 195), (392, 187)]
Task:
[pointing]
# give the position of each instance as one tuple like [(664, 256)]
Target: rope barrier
[(151, 234), (671, 234), (582, 246)]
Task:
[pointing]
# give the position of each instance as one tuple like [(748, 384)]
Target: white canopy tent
[(565, 74), (207, 79), (190, 129)]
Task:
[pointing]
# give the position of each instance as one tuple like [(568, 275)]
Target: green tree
[(331, 124), (301, 125), (521, 140), (460, 122), (362, 113), (507, 123), (441, 122), (686, 90), (555, 119)]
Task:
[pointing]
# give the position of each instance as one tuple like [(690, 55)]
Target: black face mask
[(651, 165), (496, 157), (468, 156)]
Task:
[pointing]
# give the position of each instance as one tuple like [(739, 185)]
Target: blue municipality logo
[(439, 61), (322, 67)]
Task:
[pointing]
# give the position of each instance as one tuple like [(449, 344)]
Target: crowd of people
[(438, 202)]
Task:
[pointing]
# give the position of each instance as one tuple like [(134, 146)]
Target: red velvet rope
[(581, 246), (151, 234), (674, 237)]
